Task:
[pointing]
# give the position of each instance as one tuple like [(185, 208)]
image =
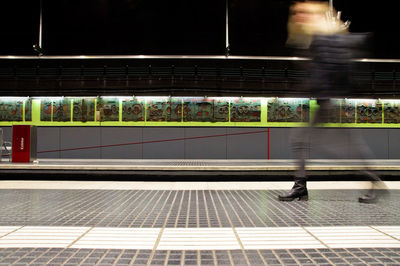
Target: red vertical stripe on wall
[(268, 143)]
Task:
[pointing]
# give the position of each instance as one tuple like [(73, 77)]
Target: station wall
[(209, 142)]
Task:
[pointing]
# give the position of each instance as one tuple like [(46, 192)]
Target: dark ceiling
[(257, 27)]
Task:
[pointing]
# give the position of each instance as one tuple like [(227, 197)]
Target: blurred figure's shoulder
[(357, 39), (351, 40)]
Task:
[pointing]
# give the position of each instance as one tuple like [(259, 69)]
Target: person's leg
[(300, 146), (363, 152), (377, 190), (299, 142)]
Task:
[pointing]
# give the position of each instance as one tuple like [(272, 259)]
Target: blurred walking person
[(316, 31)]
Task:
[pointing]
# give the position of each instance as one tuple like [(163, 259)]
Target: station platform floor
[(201, 164), (194, 169), (195, 223)]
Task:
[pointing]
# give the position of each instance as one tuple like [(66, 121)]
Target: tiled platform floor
[(117, 223), (86, 257), (191, 208)]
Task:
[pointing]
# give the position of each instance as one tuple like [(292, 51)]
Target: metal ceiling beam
[(180, 57)]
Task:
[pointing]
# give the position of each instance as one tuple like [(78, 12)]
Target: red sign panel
[(21, 144)]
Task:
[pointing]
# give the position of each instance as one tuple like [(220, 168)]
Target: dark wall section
[(210, 148), (253, 146), (163, 149), (279, 144), (49, 140), (210, 143), (394, 143), (113, 136), (76, 137)]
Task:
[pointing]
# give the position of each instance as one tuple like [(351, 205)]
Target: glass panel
[(348, 111), (369, 111), (45, 109), (28, 109), (62, 109), (246, 110), (221, 110), (198, 109), (83, 109), (392, 111), (108, 109), (158, 109), (288, 110), (133, 109), (11, 109)]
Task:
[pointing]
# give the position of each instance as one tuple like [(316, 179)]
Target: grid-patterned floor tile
[(189, 227), (58, 256), (192, 208)]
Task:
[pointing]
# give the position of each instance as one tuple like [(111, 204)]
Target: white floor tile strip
[(4, 230), (198, 238), (42, 236), (111, 185), (274, 238), (119, 238), (353, 237), (393, 231), (201, 238)]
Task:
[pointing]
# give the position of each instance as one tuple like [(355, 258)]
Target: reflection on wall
[(61, 109), (108, 109), (221, 110), (202, 109), (28, 109), (45, 109), (11, 109), (334, 116), (198, 109), (348, 112), (152, 110), (175, 110), (83, 109), (369, 111), (158, 109), (133, 109), (391, 111), (246, 110), (288, 110), (305, 110)]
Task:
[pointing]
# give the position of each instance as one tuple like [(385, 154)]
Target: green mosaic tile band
[(193, 111)]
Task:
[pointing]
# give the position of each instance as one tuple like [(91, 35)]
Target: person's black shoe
[(373, 196), (369, 198), (298, 191), (292, 195)]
